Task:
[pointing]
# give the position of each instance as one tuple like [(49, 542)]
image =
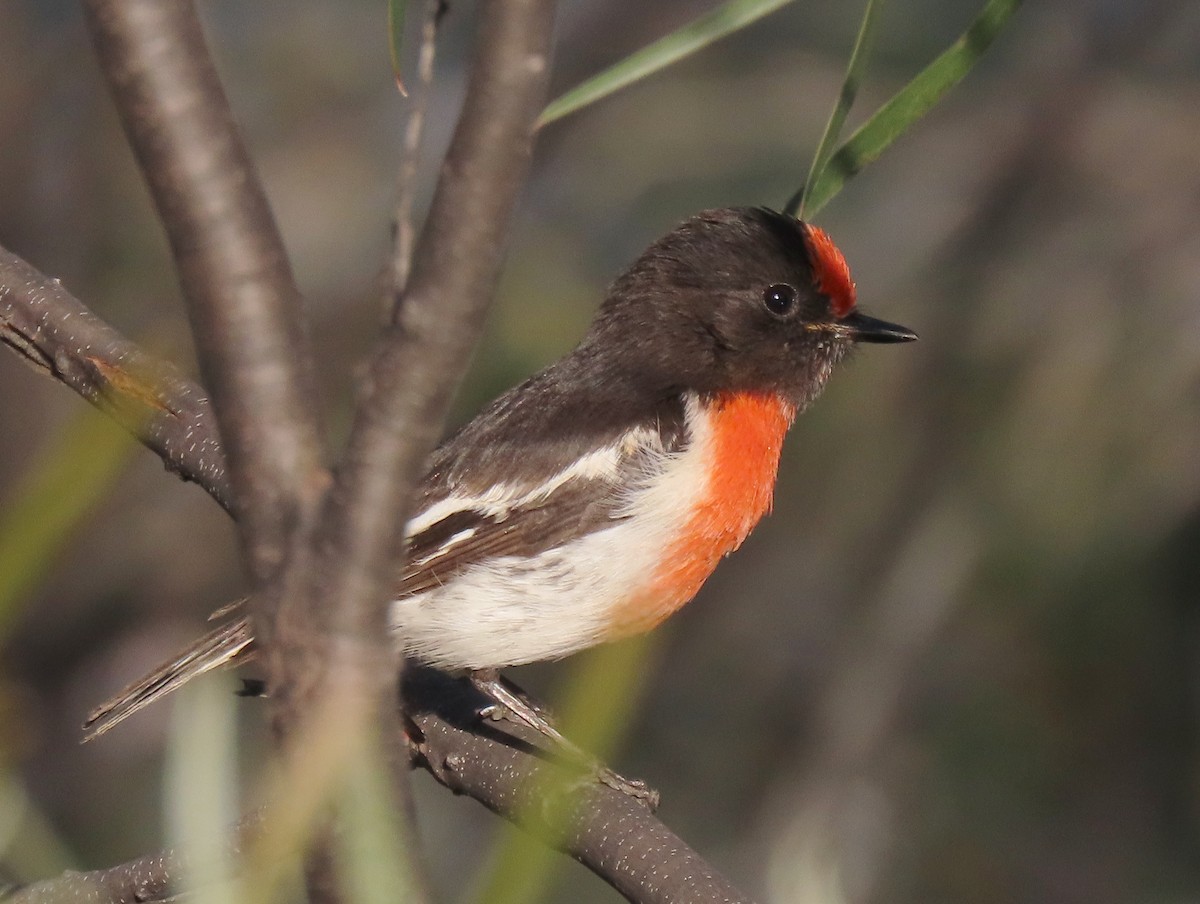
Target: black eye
[(779, 299)]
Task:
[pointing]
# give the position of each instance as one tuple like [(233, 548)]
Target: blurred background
[(961, 661)]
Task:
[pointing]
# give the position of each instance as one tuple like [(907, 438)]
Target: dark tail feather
[(211, 651)]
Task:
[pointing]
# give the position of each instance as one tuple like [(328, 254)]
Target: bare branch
[(610, 833), (244, 306), (154, 877), (56, 334), (406, 182), (148, 878)]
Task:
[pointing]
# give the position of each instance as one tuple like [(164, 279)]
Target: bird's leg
[(509, 701)]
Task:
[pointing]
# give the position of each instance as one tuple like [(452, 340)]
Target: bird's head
[(738, 299)]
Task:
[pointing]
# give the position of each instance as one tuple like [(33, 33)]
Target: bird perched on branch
[(594, 499)]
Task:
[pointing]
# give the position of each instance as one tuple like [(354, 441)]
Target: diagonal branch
[(145, 879), (610, 833), (57, 335), (243, 303)]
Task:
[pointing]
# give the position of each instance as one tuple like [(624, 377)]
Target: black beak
[(868, 329)]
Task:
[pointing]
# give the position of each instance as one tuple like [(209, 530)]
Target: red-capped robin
[(594, 499)]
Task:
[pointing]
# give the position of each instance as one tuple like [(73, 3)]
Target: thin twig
[(406, 182)]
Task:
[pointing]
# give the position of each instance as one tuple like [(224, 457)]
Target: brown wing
[(572, 510)]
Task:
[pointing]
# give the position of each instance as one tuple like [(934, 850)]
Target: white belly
[(515, 609)]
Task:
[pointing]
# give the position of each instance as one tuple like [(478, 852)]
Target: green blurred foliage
[(59, 488)]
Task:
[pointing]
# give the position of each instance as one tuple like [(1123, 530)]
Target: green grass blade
[(73, 475), (912, 102), (30, 847), (696, 35), (396, 11), (201, 790), (373, 842), (856, 69)]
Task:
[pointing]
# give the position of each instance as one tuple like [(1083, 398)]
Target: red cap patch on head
[(831, 274)]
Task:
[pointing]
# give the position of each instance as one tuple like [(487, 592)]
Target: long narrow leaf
[(912, 102), (856, 69), (372, 839), (201, 790), (30, 846), (696, 35), (64, 485)]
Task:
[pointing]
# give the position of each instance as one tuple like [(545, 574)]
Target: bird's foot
[(511, 704)]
